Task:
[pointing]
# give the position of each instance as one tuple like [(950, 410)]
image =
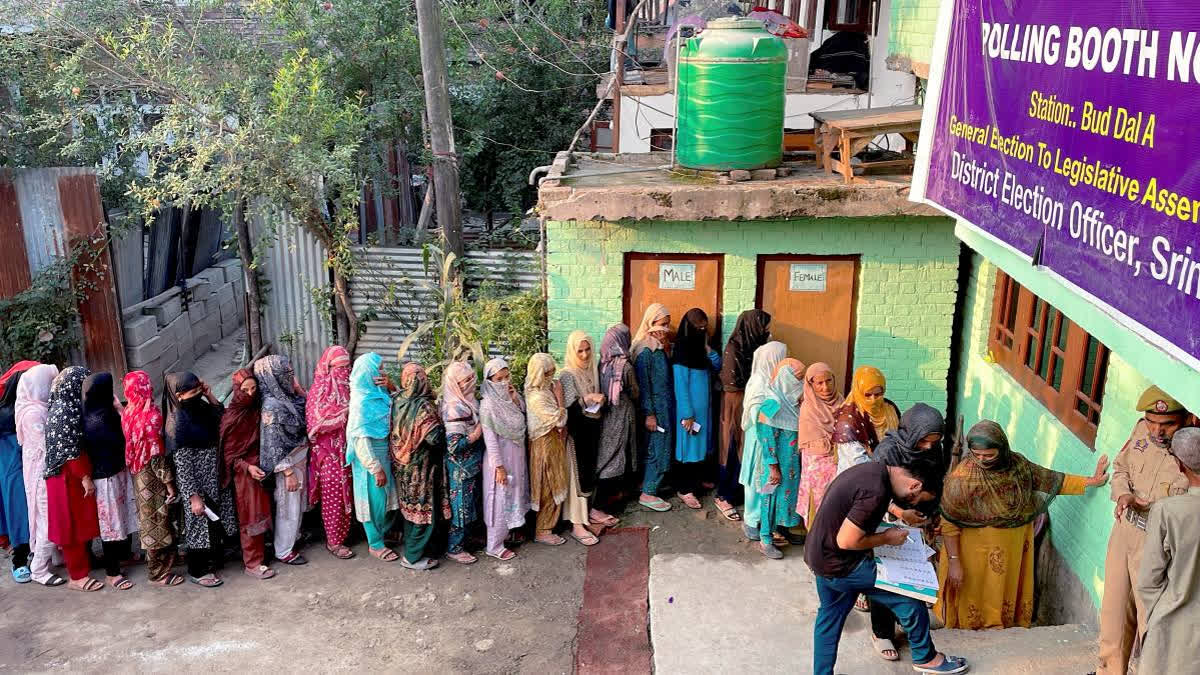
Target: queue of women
[(617, 418)]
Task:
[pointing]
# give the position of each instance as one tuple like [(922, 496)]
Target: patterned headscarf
[(817, 414), (240, 426), (33, 404), (283, 424), (614, 354), (766, 358), (414, 414), (1008, 493), (8, 396), (142, 422), (542, 411), (786, 388), (459, 407), (64, 427), (328, 405), (749, 333), (898, 447), (648, 336), (502, 410), (883, 416), (370, 404)]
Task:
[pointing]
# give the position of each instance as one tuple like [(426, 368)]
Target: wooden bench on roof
[(851, 131)]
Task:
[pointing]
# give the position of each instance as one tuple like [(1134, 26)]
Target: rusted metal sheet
[(14, 273), (100, 313)]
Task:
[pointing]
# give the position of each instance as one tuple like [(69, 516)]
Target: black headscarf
[(8, 405), (690, 341), (64, 422), (194, 423), (898, 448), (751, 332), (102, 439)]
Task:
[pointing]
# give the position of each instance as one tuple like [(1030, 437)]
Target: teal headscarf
[(370, 404)]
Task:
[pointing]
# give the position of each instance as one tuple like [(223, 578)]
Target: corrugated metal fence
[(293, 322), (384, 289)]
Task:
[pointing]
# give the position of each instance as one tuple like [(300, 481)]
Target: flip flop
[(207, 581), (89, 586), (294, 559), (121, 583), (588, 540), (22, 575), (462, 558), (656, 505), (689, 500), (384, 554), (263, 572), (169, 580), (550, 540), (341, 552), (884, 645), (421, 565), (504, 554)]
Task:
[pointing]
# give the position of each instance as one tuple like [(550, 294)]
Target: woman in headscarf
[(864, 418), (656, 401), (779, 476), (104, 442), (693, 365), (240, 456), (464, 454), (546, 422), (153, 479), (283, 450), (192, 437), (818, 460), (70, 492), (919, 432), (582, 397), (327, 411), (616, 454), (32, 412), (505, 479), (14, 510), (991, 497), (367, 428), (417, 445), (766, 358), (751, 331)]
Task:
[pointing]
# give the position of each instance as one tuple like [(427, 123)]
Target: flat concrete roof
[(607, 187)]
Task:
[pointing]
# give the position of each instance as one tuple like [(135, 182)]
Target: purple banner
[(1070, 131)]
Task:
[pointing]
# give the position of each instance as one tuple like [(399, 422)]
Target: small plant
[(41, 322)]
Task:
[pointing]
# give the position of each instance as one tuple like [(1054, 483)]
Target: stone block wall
[(169, 332), (907, 285), (910, 41)]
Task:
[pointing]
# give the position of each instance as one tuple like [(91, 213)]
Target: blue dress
[(693, 400), (14, 513), (751, 461), (655, 397)]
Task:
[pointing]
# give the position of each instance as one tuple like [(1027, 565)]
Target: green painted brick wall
[(1079, 525), (907, 286), (912, 27)]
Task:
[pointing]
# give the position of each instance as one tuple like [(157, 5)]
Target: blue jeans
[(837, 596)]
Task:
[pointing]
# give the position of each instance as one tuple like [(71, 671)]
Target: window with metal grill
[(1050, 356)]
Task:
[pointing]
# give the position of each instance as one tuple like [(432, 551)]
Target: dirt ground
[(490, 617)]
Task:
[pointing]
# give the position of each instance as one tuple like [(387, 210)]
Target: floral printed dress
[(776, 447)]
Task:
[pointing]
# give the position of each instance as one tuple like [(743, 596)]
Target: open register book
[(906, 569)]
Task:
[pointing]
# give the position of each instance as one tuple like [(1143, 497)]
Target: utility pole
[(441, 125)]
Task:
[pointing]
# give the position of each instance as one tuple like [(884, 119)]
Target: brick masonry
[(910, 39), (1079, 525), (907, 287)]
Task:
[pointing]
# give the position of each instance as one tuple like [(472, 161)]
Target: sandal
[(89, 585), (294, 559), (504, 554), (550, 539), (729, 510), (689, 500), (120, 582), (169, 580), (861, 604), (384, 554), (606, 521), (770, 551), (587, 540), (341, 552), (53, 581), (654, 505), (207, 581), (883, 646), (949, 666), (421, 565), (462, 557), (779, 540), (263, 572), (22, 575)]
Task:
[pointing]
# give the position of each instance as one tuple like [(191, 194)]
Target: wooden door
[(680, 282), (812, 300)]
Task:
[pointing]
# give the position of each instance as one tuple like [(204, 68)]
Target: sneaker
[(421, 565), (770, 551)]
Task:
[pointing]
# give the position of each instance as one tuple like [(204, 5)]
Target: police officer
[(1143, 472)]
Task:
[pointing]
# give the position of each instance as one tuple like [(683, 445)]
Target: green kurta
[(776, 447)]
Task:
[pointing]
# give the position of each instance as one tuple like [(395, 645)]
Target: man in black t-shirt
[(838, 550)]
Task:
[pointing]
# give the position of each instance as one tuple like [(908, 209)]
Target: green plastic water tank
[(730, 97)]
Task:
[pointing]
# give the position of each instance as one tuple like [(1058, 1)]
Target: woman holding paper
[(505, 479), (985, 569), (655, 400), (192, 437), (583, 400), (779, 468), (693, 366)]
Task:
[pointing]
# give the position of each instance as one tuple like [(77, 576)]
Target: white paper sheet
[(907, 563)]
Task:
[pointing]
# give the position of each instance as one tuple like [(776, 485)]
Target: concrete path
[(715, 614)]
